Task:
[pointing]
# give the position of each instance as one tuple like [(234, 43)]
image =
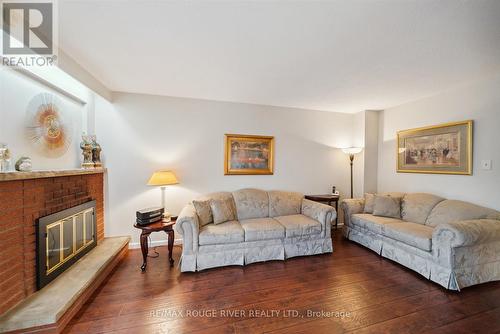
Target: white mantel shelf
[(40, 174)]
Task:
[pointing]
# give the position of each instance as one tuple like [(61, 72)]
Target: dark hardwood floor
[(362, 292)]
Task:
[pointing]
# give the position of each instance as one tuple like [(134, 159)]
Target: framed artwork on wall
[(248, 155), (438, 149)]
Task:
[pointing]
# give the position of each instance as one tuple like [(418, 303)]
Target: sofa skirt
[(212, 256)]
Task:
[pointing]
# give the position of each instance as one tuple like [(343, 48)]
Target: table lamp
[(352, 151), (163, 178)]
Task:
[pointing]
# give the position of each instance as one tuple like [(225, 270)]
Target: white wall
[(479, 101), (142, 133), (16, 92)]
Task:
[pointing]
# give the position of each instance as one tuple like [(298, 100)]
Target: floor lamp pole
[(351, 158)]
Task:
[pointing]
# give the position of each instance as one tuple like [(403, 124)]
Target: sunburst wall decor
[(48, 128)]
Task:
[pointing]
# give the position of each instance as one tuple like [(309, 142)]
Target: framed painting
[(248, 155), (439, 149)]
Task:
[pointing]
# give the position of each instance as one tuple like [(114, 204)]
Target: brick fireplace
[(22, 202)]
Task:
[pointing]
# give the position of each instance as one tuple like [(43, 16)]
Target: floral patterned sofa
[(453, 243), (267, 225)]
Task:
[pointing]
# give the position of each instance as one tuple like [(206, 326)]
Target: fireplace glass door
[(66, 236)]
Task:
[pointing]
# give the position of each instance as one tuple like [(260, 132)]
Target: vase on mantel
[(4, 158)]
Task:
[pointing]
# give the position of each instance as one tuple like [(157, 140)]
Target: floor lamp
[(352, 151)]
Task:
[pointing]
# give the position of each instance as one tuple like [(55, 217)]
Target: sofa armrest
[(350, 207), (466, 233), (188, 226), (320, 212)]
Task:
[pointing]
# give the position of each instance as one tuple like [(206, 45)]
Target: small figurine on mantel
[(24, 164), (86, 146), (96, 152)]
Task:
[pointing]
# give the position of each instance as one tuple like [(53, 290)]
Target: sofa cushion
[(216, 195), (392, 194), (262, 229), (251, 203), (283, 203), (220, 195), (369, 202), (225, 233), (387, 206), (449, 211), (412, 234), (372, 223), (203, 211), (416, 207), (222, 210), (299, 225)]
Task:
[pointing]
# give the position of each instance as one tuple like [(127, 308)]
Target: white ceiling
[(343, 56)]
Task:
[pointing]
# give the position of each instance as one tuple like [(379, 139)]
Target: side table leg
[(144, 249), (170, 246)]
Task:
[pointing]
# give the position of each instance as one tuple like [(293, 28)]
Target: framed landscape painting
[(439, 149), (248, 155)]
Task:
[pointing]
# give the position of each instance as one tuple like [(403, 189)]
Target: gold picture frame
[(248, 155), (439, 149)]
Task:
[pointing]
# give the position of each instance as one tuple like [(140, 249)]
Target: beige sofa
[(453, 243), (270, 225)]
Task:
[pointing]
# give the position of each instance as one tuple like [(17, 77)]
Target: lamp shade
[(162, 178), (352, 150)]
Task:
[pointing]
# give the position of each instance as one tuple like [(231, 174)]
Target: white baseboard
[(135, 245)]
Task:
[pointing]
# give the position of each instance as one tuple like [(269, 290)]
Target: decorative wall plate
[(48, 127)]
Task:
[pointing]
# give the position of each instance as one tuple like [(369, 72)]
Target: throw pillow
[(369, 202), (387, 206), (222, 210), (203, 211)]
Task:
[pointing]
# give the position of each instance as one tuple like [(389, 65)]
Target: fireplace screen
[(63, 238)]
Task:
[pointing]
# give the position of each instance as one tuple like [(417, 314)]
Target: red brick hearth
[(21, 203)]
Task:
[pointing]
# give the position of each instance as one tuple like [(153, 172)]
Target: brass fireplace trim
[(75, 251), (45, 274)]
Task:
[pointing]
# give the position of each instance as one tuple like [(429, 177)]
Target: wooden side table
[(329, 200), (167, 227)]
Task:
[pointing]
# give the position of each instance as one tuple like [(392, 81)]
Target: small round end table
[(146, 230)]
